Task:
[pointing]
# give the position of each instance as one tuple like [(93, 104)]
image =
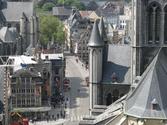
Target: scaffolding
[(5, 64)]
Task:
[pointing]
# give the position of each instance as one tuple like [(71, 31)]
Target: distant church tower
[(149, 32), (32, 32), (23, 31), (95, 65)]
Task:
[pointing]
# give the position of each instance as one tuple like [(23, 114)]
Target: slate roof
[(61, 11), (102, 29), (110, 8), (152, 88), (14, 10), (8, 35), (116, 59), (73, 19), (95, 39), (92, 5)]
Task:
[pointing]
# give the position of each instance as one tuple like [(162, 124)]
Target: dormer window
[(154, 104), (114, 77)]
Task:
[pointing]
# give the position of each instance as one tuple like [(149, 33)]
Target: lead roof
[(152, 86), (95, 39)]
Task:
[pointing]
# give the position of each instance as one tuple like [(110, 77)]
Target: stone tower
[(36, 29), (149, 32), (23, 31), (95, 65), (32, 32)]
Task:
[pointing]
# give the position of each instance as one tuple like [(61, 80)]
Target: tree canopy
[(51, 28), (48, 6), (75, 3)]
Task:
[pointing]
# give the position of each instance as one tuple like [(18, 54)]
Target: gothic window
[(109, 99), (8, 50), (94, 51), (157, 24), (165, 26), (115, 95), (154, 18)]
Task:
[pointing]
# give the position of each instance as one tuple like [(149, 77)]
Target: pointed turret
[(102, 30), (32, 32), (96, 46), (95, 39)]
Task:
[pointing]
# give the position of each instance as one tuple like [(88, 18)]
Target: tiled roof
[(85, 14)]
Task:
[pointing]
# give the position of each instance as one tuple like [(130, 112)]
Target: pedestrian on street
[(67, 99)]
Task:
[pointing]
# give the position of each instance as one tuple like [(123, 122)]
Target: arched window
[(8, 49), (109, 99), (154, 18), (165, 25), (150, 24), (115, 94), (157, 24)]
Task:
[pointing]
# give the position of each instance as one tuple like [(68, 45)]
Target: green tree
[(51, 28), (48, 6), (81, 6), (78, 5), (75, 3)]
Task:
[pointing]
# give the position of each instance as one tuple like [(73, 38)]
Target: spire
[(148, 100), (95, 39), (23, 16), (102, 30)]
